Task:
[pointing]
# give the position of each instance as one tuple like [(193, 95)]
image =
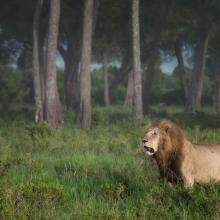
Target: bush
[(14, 87)]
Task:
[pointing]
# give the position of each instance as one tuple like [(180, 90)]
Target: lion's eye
[(155, 133)]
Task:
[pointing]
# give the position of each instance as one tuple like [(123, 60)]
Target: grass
[(101, 173)]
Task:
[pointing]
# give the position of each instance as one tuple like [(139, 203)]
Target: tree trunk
[(43, 76), (150, 75), (54, 115), (195, 95), (121, 74), (216, 84), (72, 87), (72, 63), (217, 95), (105, 76), (181, 70), (64, 53), (85, 77), (129, 98), (71, 58), (38, 95), (138, 104), (71, 26)]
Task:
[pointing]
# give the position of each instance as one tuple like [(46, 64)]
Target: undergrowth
[(101, 173)]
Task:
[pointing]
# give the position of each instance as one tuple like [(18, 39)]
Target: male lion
[(177, 158)]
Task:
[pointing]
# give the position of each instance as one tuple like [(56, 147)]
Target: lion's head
[(162, 138)]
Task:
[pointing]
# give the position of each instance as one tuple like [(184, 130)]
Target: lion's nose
[(144, 141)]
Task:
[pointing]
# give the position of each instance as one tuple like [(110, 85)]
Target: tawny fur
[(180, 160)]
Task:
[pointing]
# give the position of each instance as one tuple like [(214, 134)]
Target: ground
[(102, 173)]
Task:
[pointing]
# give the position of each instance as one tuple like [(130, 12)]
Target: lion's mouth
[(149, 150)]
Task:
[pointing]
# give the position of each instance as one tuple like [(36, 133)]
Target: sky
[(166, 66)]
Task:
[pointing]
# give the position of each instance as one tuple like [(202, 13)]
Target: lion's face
[(151, 141)]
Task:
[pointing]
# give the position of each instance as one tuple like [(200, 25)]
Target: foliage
[(102, 173), (17, 91), (15, 86), (98, 86), (166, 89)]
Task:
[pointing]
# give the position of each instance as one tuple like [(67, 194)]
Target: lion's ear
[(167, 128)]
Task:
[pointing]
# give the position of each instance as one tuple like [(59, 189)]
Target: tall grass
[(101, 173)]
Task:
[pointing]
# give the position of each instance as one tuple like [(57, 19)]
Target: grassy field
[(102, 173)]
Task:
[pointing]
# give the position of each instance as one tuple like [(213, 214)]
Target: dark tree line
[(132, 32)]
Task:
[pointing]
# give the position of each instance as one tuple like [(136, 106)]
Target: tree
[(155, 15), (38, 96), (112, 36), (213, 68), (129, 98), (203, 17), (105, 77), (138, 104), (181, 69), (70, 49), (85, 77), (196, 86), (150, 74), (121, 74), (54, 115), (216, 96)]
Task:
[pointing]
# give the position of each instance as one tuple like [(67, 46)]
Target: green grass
[(101, 173)]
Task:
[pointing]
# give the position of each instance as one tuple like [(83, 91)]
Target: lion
[(177, 158)]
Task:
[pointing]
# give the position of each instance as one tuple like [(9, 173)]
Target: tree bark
[(121, 74), (181, 68), (138, 103), (216, 96), (150, 75), (71, 57), (105, 77), (129, 98), (85, 77), (72, 64), (71, 26), (38, 95), (72, 86), (54, 114), (195, 95), (43, 64)]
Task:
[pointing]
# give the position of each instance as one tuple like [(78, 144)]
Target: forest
[(80, 80)]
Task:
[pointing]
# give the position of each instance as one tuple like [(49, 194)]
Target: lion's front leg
[(187, 174), (188, 181), (187, 167)]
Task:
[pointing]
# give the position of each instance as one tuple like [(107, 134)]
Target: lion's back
[(206, 160)]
